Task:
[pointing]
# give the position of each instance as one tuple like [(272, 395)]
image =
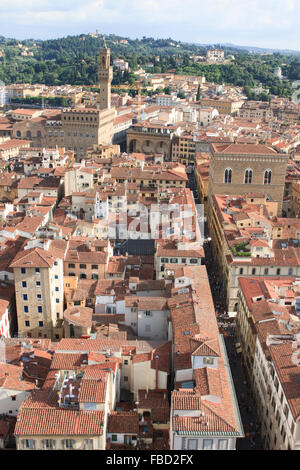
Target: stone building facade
[(149, 138), (245, 168), (85, 127), (39, 293)]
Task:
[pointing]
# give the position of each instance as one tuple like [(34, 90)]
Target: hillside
[(73, 60)]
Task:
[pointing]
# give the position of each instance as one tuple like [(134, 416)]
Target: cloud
[(223, 20)]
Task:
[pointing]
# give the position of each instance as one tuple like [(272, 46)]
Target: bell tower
[(105, 75)]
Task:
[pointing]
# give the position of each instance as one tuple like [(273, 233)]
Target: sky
[(261, 23)]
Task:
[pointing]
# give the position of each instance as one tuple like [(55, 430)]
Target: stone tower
[(105, 78)]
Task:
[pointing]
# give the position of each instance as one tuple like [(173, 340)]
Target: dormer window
[(208, 360)]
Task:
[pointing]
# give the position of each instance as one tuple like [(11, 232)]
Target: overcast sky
[(264, 23)]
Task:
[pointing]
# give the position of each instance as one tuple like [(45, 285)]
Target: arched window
[(28, 134), (248, 176), (228, 175), (132, 146), (18, 133), (268, 177)]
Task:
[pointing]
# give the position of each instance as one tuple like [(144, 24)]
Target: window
[(94, 266), (56, 277), (88, 444), (147, 313), (207, 444), (70, 265), (28, 444), (23, 270), (228, 175), (253, 271), (248, 176), (193, 261), (68, 443), (208, 360), (55, 263), (13, 397), (38, 284), (25, 308), (293, 428), (268, 176), (40, 309), (25, 297), (57, 301), (114, 437), (24, 284), (266, 271), (41, 324), (192, 444), (286, 411), (48, 444), (82, 266), (27, 323), (56, 289), (37, 270), (290, 272), (241, 270), (278, 271), (223, 444), (126, 362)]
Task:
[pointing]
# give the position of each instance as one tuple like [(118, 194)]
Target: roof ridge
[(218, 416)]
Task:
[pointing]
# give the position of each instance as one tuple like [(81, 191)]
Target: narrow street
[(246, 403), (252, 440)]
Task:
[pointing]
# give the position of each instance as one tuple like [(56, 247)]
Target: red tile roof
[(122, 422), (34, 257), (48, 421)]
